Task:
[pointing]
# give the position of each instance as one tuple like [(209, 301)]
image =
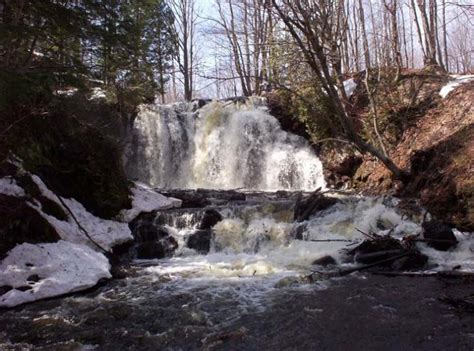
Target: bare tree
[(315, 27), (186, 20), (427, 12), (247, 26)]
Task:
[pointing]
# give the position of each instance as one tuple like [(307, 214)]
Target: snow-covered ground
[(97, 94), (350, 86), (65, 92), (106, 233), (73, 263), (8, 186), (47, 270), (146, 199), (454, 83)]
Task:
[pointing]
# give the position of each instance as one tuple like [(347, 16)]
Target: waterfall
[(223, 145)]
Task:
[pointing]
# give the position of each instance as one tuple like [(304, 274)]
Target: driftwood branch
[(316, 275)]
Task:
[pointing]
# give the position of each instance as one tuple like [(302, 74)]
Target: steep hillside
[(438, 150)]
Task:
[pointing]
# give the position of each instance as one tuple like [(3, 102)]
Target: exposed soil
[(438, 150)]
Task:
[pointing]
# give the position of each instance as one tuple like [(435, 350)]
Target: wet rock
[(201, 103), (372, 251), (325, 261), (20, 223), (33, 278), (388, 249), (157, 249), (307, 207), (416, 260), (204, 197), (123, 271), (299, 231), (200, 241), (438, 235), (210, 219), (122, 249), (190, 199), (146, 231)]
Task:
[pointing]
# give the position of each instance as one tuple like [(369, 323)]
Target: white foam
[(256, 245)]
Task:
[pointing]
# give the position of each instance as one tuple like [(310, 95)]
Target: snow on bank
[(65, 92), (48, 270), (350, 86), (106, 233), (8, 186), (453, 84), (97, 94), (146, 199)]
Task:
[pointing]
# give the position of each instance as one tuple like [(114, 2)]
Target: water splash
[(220, 146)]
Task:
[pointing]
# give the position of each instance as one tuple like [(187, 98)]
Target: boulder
[(298, 232), (200, 241), (307, 207), (147, 231), (416, 260), (210, 219), (438, 235), (157, 249), (325, 261), (372, 251), (387, 248), (20, 223)]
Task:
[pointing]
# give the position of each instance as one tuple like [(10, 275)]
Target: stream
[(248, 288), (249, 292)]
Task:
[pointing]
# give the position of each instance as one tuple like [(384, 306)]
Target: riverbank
[(425, 122)]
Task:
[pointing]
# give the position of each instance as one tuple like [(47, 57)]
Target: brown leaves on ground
[(439, 152)]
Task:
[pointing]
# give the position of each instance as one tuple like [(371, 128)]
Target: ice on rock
[(48, 270)]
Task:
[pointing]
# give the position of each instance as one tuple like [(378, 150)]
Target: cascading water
[(223, 145)]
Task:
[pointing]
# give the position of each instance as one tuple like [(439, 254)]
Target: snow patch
[(106, 233), (97, 94), (8, 186), (47, 270), (65, 92), (146, 199), (350, 86), (453, 84)]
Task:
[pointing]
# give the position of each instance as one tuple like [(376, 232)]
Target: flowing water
[(250, 291), (219, 146)]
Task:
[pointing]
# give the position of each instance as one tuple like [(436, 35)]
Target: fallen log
[(318, 275)]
